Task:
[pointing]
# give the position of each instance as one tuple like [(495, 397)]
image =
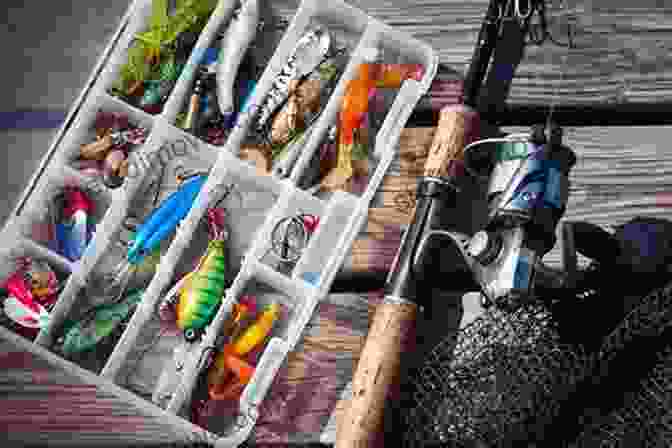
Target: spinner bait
[(85, 334), (202, 291), (239, 35), (307, 55)]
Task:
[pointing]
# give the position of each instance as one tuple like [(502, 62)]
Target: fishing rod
[(407, 289)]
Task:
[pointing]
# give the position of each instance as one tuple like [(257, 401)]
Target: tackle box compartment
[(298, 291)]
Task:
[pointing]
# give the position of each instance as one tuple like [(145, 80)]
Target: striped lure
[(204, 287)]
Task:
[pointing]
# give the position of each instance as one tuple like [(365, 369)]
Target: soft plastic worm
[(239, 36)]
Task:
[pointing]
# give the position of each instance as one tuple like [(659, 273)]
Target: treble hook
[(518, 12)]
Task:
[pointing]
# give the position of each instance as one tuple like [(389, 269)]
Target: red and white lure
[(31, 289)]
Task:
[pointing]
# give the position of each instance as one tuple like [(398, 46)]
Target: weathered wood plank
[(622, 49)]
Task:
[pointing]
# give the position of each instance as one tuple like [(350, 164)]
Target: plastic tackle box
[(172, 373)]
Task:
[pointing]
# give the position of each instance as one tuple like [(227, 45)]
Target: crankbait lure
[(74, 231), (163, 220), (85, 334), (307, 55), (202, 291), (239, 35), (148, 236)]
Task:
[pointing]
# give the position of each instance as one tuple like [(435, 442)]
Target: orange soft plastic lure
[(230, 373), (355, 106)]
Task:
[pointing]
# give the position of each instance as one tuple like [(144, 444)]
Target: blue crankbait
[(164, 220)]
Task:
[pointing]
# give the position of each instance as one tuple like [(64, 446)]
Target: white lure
[(239, 36)]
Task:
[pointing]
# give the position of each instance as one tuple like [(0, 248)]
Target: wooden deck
[(623, 62)]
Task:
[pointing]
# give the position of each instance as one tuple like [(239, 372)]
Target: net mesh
[(507, 379)]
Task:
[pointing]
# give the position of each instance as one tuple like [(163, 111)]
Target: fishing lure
[(353, 110), (100, 323), (74, 231), (41, 279), (157, 90), (29, 290), (306, 56), (30, 316), (161, 41), (239, 35), (290, 237), (148, 236), (202, 291), (165, 29), (191, 121), (98, 149), (353, 114), (391, 76), (229, 361), (164, 219), (255, 334), (23, 308), (220, 387)]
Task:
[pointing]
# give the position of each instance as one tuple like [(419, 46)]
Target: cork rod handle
[(377, 378), (458, 125)]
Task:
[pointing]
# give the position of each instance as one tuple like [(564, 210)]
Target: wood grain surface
[(623, 56)]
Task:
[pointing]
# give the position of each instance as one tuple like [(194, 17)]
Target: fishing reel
[(527, 195)]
